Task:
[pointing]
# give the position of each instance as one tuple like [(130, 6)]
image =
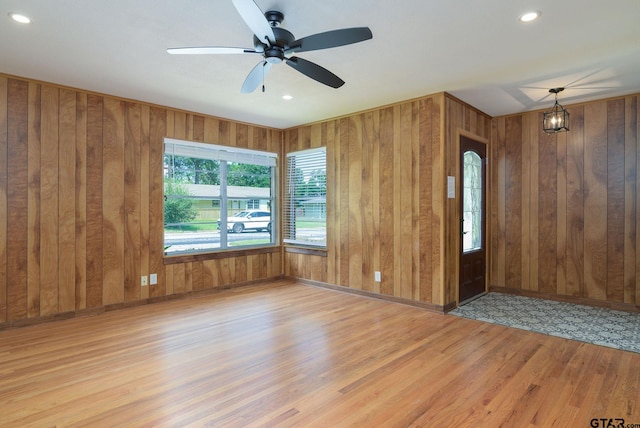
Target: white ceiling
[(476, 50)]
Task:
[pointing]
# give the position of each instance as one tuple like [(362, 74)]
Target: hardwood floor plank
[(287, 354)]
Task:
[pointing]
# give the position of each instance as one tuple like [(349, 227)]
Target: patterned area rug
[(600, 326)]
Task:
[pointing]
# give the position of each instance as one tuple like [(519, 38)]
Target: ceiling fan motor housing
[(274, 54)]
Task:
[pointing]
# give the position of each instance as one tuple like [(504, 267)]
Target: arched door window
[(472, 202)]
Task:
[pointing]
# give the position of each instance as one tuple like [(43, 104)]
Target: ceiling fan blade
[(331, 39), (314, 71), (207, 50), (254, 18), (255, 77)]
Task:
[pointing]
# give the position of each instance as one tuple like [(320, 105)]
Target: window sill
[(196, 257), (322, 252)]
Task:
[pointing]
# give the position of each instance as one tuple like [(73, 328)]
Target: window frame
[(225, 155), (291, 205)]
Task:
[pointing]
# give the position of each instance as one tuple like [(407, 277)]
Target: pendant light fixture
[(556, 119)]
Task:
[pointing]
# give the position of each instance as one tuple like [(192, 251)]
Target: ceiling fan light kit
[(277, 45)]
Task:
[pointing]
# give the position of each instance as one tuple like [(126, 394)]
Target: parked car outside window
[(249, 220)]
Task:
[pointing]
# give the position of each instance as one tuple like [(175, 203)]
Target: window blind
[(305, 198), (229, 154)]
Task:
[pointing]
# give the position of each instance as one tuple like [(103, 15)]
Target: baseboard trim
[(117, 306), (342, 289)]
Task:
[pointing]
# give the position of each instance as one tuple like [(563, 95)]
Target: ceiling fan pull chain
[(263, 65)]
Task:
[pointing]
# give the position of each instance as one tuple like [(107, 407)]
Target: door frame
[(455, 218)]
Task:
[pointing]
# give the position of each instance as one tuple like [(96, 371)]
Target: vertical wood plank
[(375, 196), (95, 107), (49, 218), (595, 200), (334, 129), (328, 131), (242, 136), (17, 199), (197, 276), (67, 203), (344, 202), (426, 192), (355, 202), (437, 201), (415, 201), (170, 278), (188, 277), (224, 132), (513, 202), (33, 216), (528, 122), (366, 205), (397, 202), (113, 202), (261, 140), (561, 215), (630, 197), (240, 269), (637, 201), (179, 273), (615, 200), (4, 86), (456, 119), (263, 272), (144, 196), (209, 274), (405, 217), (534, 201), (81, 201), (495, 202), (547, 211), (132, 199), (575, 204), (157, 131), (179, 130), (198, 128)]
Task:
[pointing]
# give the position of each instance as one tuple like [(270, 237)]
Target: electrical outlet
[(153, 278), (377, 276), (143, 281)]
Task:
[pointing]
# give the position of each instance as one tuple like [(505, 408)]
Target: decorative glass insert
[(472, 202)]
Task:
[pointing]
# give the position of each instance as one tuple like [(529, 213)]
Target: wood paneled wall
[(81, 201), (386, 206), (564, 208)]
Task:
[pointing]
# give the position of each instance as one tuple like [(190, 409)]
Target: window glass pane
[(216, 198), (305, 199), (472, 202)]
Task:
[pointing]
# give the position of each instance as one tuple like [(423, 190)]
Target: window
[(472, 202), (305, 198), (217, 197)]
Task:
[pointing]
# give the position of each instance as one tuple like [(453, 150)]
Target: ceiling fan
[(277, 45)]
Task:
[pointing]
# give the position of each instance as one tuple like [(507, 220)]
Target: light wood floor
[(286, 354)]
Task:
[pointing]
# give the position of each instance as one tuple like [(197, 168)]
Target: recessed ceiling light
[(287, 97), (530, 16), (20, 18)]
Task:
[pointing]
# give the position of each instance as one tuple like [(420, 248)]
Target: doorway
[(473, 254)]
